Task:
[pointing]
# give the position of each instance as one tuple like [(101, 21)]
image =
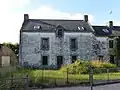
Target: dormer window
[(59, 31), (105, 30), (37, 27)]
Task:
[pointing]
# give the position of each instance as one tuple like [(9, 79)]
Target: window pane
[(44, 60), (45, 43), (73, 44), (110, 43), (74, 58), (59, 32)]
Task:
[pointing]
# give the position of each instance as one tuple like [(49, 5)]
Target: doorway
[(59, 61)]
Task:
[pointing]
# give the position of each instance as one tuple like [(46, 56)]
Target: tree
[(13, 47)]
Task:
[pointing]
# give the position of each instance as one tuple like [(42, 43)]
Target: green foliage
[(82, 67), (13, 47)]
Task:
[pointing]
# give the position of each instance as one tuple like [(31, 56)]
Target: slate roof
[(116, 31), (101, 30), (51, 24)]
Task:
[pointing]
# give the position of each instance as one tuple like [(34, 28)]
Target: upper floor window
[(44, 43), (73, 44), (111, 43)]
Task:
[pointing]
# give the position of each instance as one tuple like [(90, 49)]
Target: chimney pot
[(110, 23)]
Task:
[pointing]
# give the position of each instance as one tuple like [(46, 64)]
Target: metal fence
[(48, 80), (106, 76), (66, 79), (14, 83)]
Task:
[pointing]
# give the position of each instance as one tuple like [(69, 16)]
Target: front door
[(59, 61)]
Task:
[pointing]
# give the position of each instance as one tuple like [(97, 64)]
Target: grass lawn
[(56, 74)]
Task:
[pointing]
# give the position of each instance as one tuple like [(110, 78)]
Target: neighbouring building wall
[(31, 47), (103, 48)]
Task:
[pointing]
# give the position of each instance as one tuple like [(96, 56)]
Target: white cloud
[(11, 20), (50, 12)]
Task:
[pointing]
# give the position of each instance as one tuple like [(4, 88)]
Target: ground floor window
[(100, 58), (44, 60), (73, 58), (112, 59)]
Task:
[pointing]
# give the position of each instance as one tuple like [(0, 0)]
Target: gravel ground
[(103, 87)]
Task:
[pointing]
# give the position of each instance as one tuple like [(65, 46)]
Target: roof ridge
[(56, 19)]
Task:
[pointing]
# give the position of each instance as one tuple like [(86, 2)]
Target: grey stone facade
[(31, 52), (92, 41), (104, 48)]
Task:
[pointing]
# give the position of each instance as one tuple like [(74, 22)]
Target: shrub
[(82, 67)]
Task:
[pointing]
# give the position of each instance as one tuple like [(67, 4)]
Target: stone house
[(114, 40), (54, 42), (102, 33), (7, 57), (109, 34), (50, 43)]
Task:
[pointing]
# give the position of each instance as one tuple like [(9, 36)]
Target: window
[(100, 58), (37, 27), (59, 32), (59, 61), (45, 44), (105, 30), (79, 28), (112, 59), (74, 58), (110, 43), (73, 44), (82, 28), (44, 60)]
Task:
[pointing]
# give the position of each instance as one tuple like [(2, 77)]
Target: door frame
[(61, 61)]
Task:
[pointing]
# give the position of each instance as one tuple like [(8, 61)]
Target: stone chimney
[(26, 17), (86, 18), (110, 23)]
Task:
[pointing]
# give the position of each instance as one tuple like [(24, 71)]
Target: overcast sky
[(12, 11)]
